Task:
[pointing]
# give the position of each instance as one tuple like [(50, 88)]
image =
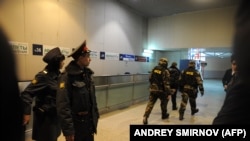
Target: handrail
[(100, 86), (118, 84), (141, 81)]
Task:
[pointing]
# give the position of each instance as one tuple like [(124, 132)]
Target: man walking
[(159, 88), (190, 82)]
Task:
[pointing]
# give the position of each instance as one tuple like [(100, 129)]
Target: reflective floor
[(114, 126)]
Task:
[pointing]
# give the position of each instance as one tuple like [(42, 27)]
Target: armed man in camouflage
[(159, 88), (190, 82)]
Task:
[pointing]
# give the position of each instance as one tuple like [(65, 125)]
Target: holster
[(45, 110)]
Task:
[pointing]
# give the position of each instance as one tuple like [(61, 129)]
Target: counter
[(120, 91), (115, 91)]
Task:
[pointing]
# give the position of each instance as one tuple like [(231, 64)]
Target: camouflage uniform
[(159, 88), (190, 82)]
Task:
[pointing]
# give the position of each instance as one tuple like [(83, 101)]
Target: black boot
[(181, 115), (145, 120), (194, 111), (165, 116), (175, 108)]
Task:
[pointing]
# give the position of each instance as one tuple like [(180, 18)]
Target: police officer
[(190, 82), (235, 108), (11, 104), (159, 88), (43, 87), (229, 73), (174, 83), (76, 99)]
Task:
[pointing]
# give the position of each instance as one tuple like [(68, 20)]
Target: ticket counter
[(120, 91)]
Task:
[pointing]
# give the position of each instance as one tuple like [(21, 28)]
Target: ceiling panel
[(159, 8)]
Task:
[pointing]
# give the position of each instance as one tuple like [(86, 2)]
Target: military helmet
[(174, 64), (191, 63), (163, 62)]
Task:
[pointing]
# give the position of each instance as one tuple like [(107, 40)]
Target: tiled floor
[(114, 126)]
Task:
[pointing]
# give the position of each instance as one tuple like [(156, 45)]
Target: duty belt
[(82, 113), (188, 87)]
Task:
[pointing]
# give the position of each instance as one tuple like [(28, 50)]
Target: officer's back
[(190, 77)]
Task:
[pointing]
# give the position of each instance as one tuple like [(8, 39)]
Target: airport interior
[(127, 38), (114, 125)]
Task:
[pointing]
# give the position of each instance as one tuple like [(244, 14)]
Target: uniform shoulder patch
[(45, 72), (62, 85), (34, 81)]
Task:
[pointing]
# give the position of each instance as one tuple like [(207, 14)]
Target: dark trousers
[(173, 99), (84, 138), (45, 127), (84, 129)]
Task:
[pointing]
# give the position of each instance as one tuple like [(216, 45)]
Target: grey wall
[(177, 33), (200, 29), (109, 26), (105, 24)]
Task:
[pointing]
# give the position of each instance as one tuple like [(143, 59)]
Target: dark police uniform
[(227, 77), (76, 102), (159, 88), (190, 82), (43, 88), (174, 83), (235, 108)]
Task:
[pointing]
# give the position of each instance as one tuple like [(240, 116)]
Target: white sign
[(20, 48), (94, 54), (111, 56), (65, 51)]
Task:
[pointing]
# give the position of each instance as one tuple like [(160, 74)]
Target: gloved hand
[(202, 93), (172, 91)]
